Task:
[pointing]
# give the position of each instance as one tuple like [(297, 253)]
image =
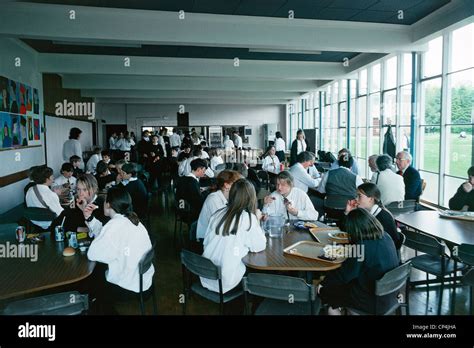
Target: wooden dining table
[(274, 259), (25, 276), (452, 231)]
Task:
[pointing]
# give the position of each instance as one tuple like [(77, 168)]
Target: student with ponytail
[(121, 244), (369, 198)]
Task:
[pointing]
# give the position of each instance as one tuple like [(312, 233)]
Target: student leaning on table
[(353, 285), (120, 244), (289, 201), (464, 197), (233, 231)]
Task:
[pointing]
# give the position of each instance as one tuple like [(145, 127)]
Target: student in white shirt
[(72, 147), (93, 160), (302, 179), (233, 232), (184, 168), (121, 244), (389, 183), (271, 163), (175, 139), (289, 201), (237, 140), (66, 179), (228, 144), (216, 159), (41, 196), (280, 146), (112, 141), (216, 200)]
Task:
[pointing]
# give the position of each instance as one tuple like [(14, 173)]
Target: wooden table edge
[(50, 286)]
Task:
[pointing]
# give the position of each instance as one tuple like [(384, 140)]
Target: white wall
[(10, 49), (138, 115)]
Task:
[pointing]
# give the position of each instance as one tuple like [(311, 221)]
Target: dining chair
[(402, 207), (143, 266), (464, 253), (202, 267), (387, 290), (283, 295), (65, 303), (433, 261)]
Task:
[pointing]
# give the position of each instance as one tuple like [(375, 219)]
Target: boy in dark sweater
[(464, 197), (136, 188)]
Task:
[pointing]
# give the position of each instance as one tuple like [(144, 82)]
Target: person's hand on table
[(467, 186), (268, 199)]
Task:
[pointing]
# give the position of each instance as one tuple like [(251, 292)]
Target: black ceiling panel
[(352, 10)]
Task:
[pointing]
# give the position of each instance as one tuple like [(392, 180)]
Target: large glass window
[(390, 70), (462, 52), (363, 82), (375, 78), (433, 58), (406, 69)]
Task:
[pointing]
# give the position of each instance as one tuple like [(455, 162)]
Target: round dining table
[(273, 257), (41, 266)]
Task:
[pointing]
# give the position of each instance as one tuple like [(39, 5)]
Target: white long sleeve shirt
[(175, 140), (215, 161), (121, 245), (302, 179), (280, 144), (112, 142), (238, 141), (228, 144), (391, 186), (213, 203), (49, 197), (71, 147), (184, 168), (299, 200), (61, 180), (227, 251), (92, 162), (271, 164)]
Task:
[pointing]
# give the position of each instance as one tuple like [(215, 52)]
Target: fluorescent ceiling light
[(282, 50), (95, 43)]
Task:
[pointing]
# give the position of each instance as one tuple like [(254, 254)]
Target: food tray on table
[(460, 215), (315, 231), (312, 250)]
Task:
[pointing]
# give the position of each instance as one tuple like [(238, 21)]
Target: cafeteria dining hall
[(307, 159)]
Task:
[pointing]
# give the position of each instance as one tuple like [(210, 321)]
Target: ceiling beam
[(185, 83), (96, 24), (190, 101), (457, 12), (164, 66), (119, 93)]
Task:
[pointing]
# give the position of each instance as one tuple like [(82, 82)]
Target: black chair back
[(393, 280), (424, 243), (65, 303), (199, 265), (465, 253), (278, 287), (402, 207)]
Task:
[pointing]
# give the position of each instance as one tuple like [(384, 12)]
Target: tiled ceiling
[(378, 11)]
